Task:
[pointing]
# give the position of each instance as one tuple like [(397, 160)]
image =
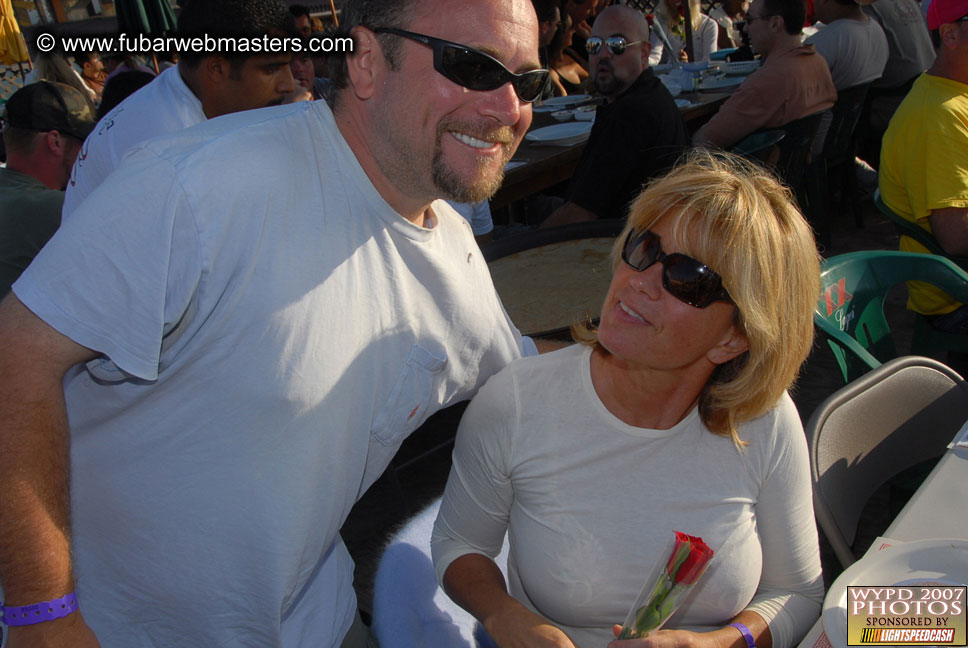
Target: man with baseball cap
[(924, 158), (45, 126)]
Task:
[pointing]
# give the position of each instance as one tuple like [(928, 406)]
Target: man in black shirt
[(638, 134)]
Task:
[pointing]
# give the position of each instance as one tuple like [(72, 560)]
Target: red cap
[(946, 11)]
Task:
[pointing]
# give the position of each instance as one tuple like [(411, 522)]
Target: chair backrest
[(837, 147), (919, 234), (902, 413), (850, 313), (795, 151), (759, 145)]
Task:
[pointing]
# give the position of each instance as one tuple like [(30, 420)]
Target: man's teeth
[(471, 141), (631, 312)]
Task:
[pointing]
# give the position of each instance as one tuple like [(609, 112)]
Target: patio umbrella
[(149, 17), (13, 49)]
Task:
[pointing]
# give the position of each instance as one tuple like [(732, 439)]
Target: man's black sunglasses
[(473, 69), (683, 277)]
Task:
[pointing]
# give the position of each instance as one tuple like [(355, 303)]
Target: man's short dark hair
[(371, 14), (298, 10), (21, 141), (231, 19), (793, 12), (546, 9)]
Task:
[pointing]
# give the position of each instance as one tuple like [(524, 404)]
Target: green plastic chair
[(850, 313), (757, 146), (918, 233)]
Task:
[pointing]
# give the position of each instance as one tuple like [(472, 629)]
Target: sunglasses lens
[(641, 250), (472, 69), (529, 85), (476, 71), (616, 44), (690, 281), (593, 44)]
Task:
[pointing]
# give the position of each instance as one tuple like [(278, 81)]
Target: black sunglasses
[(683, 277), (616, 44), (473, 69)]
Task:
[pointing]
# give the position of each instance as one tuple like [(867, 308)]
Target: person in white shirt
[(671, 416), (203, 85), (727, 14), (853, 45), (225, 346), (670, 15)]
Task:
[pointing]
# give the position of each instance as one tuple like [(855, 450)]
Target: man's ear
[(646, 50), (365, 64), (54, 141), (950, 34), (216, 69)]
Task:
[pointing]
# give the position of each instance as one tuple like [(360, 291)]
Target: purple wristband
[(750, 642), (38, 612)]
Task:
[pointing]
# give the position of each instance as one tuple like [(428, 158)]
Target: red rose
[(689, 559)]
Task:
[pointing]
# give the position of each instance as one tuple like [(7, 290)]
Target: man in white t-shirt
[(853, 45), (241, 325), (203, 85)]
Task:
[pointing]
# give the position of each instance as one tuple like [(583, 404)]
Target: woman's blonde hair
[(670, 18), (736, 218)]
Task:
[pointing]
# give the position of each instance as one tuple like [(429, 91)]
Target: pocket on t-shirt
[(410, 398)]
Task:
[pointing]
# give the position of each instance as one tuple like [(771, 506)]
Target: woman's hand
[(664, 639)]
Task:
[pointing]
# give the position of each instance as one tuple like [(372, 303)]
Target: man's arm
[(568, 213), (950, 227), (35, 561)]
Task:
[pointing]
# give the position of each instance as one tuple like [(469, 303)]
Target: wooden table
[(545, 165)]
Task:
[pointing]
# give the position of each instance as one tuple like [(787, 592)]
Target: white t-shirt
[(165, 105), (725, 21), (855, 51), (705, 41), (275, 330), (590, 505), (908, 40), (477, 214)]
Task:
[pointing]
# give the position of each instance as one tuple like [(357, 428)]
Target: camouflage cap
[(46, 106)]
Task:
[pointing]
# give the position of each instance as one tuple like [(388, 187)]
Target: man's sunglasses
[(473, 69), (616, 44), (683, 277)]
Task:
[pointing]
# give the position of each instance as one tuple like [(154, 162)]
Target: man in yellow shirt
[(924, 158)]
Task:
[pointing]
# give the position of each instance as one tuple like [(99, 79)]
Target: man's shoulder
[(251, 133), (647, 95), (21, 194)]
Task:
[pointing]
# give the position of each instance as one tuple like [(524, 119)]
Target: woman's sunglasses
[(473, 69), (683, 277), (615, 44)]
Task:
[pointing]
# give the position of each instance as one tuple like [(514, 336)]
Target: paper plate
[(557, 103), (564, 134), (942, 562)]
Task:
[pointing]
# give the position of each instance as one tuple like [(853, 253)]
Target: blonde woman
[(670, 16), (672, 416)]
